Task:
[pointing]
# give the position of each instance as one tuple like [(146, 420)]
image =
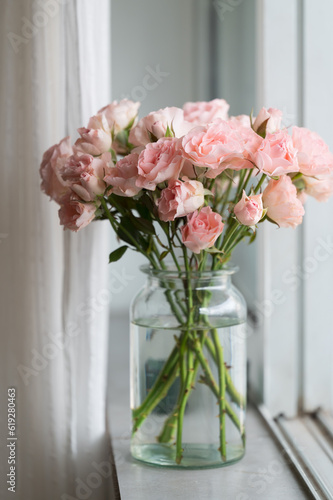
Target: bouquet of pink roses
[(201, 175), (186, 185)]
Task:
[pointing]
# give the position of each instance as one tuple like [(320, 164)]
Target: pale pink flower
[(160, 161), (84, 174), (249, 209), (203, 112), (302, 196), (276, 155), (96, 138), (188, 170), (243, 120), (283, 206), (251, 142), (74, 214), (202, 229), (120, 114), (180, 199), (210, 145), (53, 159), (272, 117), (314, 156), (320, 188), (156, 124), (123, 176)]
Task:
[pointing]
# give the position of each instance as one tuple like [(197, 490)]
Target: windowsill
[(264, 472)]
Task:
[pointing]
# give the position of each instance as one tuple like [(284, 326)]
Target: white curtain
[(54, 57)]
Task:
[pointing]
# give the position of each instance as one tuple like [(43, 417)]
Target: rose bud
[(249, 210), (268, 121)]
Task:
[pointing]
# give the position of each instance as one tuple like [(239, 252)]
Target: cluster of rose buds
[(185, 159)]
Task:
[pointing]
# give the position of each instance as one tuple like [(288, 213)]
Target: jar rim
[(173, 272)]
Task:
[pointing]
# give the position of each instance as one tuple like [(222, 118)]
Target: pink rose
[(156, 124), (180, 199), (202, 229), (210, 145), (53, 159), (272, 117), (201, 113), (283, 206), (123, 176), (160, 161), (84, 174), (276, 154), (320, 188), (314, 156), (73, 214), (251, 142), (120, 115), (243, 120), (96, 139), (302, 196), (249, 209)]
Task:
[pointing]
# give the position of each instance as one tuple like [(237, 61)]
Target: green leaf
[(207, 192), (151, 136), (149, 203), (264, 212), (143, 225), (164, 254), (168, 132), (253, 237), (126, 231), (117, 254), (272, 221), (213, 250), (131, 123), (122, 137), (144, 211), (113, 155), (251, 118), (124, 203), (165, 226), (262, 129), (297, 176)]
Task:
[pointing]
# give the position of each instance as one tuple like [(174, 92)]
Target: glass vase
[(188, 369)]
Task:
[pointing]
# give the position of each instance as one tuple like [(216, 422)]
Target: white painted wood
[(273, 345), (317, 265), (280, 246)]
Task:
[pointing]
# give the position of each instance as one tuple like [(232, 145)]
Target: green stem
[(221, 400), (235, 395), (240, 185), (165, 374), (225, 197), (248, 177), (261, 181), (186, 380), (186, 391), (158, 396), (229, 411), (228, 238)]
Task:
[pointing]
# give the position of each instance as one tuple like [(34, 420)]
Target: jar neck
[(195, 279)]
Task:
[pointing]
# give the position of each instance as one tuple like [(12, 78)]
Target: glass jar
[(188, 369)]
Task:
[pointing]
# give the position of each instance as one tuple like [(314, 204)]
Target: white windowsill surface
[(264, 472)]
